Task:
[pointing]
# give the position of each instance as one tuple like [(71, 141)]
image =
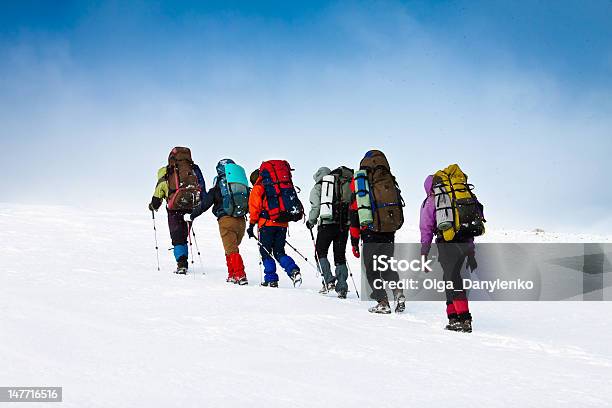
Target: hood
[(322, 172), (221, 165), (428, 184)]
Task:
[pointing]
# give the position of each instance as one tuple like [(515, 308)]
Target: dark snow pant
[(338, 235), (178, 233), (452, 257), (273, 241), (380, 243)]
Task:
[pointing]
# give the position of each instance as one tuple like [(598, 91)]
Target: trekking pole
[(263, 247), (261, 261), (303, 257), (261, 270), (353, 279), (314, 244), (190, 245), (155, 233), (195, 241)]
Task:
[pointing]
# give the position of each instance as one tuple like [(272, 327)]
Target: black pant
[(380, 243), (336, 233), (178, 227), (452, 257)]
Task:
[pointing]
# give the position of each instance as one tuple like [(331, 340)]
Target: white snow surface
[(83, 306)]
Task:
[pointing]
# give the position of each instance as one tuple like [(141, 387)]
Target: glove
[(309, 225), (471, 263), (187, 217), (356, 253), (250, 231), (155, 203), (425, 258)]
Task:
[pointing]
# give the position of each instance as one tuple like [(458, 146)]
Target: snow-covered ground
[(83, 306)]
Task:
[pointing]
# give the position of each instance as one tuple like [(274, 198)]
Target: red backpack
[(282, 202)]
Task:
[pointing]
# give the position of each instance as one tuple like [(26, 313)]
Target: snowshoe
[(296, 278), (323, 290), (381, 307), (231, 279), (342, 294), (270, 284), (242, 281), (400, 304)]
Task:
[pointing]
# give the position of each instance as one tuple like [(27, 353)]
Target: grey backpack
[(342, 194)]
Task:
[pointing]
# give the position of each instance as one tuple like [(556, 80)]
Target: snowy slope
[(82, 306)]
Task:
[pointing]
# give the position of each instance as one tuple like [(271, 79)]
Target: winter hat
[(254, 176)]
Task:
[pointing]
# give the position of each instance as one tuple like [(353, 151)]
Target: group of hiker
[(365, 206)]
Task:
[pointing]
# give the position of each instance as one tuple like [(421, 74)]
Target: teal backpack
[(233, 183)]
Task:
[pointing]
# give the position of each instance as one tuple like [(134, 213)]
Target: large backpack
[(385, 196), (233, 183), (283, 204), (183, 185), (459, 214), (341, 195)]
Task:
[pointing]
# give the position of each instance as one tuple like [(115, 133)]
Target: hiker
[(229, 199), (330, 199), (272, 204), (376, 213), (181, 184), (455, 241)]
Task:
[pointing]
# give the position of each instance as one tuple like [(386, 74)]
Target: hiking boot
[(181, 265), (181, 271), (342, 294), (400, 300), (382, 307), (296, 278), (461, 323), (273, 284), (331, 285), (453, 323), (465, 323), (230, 279), (400, 304), (242, 281), (466, 326)]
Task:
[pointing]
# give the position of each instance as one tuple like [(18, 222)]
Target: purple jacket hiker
[(428, 224)]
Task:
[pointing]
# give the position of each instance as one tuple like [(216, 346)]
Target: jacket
[(257, 204), (315, 197)]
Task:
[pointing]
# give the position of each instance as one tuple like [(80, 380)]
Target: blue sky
[(94, 94)]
